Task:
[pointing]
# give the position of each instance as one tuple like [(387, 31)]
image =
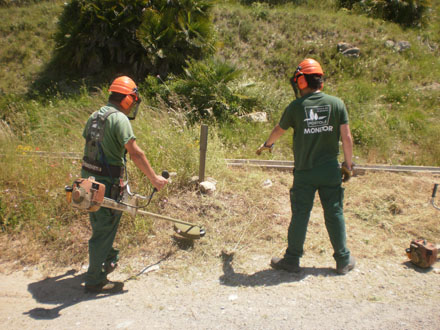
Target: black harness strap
[(95, 161)]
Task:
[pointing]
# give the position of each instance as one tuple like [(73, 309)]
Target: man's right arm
[(276, 133), (141, 161)]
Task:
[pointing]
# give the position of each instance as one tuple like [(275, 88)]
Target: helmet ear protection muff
[(127, 102), (301, 81), (132, 102), (298, 79)]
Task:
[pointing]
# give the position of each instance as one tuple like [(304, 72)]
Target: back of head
[(308, 74), (314, 81)]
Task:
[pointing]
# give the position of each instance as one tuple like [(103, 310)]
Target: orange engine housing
[(87, 194)]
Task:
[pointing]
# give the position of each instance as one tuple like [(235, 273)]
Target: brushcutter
[(88, 194), (421, 252)]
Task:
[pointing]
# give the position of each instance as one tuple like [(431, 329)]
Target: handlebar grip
[(434, 190), (166, 175)]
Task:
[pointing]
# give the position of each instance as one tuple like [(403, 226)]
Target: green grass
[(26, 43)]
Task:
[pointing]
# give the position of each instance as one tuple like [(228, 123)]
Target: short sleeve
[(343, 119), (124, 129), (287, 119)]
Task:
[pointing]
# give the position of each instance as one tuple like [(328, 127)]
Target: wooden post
[(203, 148)]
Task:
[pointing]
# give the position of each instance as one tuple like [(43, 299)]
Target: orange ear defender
[(299, 78), (127, 102)]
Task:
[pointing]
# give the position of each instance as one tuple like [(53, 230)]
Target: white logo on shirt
[(317, 118)]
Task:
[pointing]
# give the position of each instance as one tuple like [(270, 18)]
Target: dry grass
[(384, 211)]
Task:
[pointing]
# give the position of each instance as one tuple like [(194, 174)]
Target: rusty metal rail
[(288, 165)]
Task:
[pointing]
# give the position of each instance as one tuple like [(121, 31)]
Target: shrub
[(173, 31), (404, 12), (207, 90), (133, 37)]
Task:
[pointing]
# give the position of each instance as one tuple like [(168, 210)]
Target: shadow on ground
[(267, 277), (418, 269), (64, 290), (67, 290)]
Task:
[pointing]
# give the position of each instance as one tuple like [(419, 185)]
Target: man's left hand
[(346, 172)]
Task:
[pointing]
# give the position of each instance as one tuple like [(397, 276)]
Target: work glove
[(345, 172), (264, 147)]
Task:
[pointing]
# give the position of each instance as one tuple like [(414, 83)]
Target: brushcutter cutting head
[(189, 231)]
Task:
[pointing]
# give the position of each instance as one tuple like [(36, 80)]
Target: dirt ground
[(380, 295), (238, 290)]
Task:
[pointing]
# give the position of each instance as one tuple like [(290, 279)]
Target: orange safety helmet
[(308, 66), (125, 85)]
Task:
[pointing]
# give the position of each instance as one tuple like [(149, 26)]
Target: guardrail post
[(203, 149)]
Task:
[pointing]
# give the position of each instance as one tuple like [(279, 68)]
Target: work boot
[(283, 264), (110, 267), (344, 270), (105, 287)]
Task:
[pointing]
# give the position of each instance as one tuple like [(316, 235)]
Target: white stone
[(258, 117), (207, 187)]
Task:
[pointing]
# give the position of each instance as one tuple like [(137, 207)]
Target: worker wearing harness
[(319, 121), (109, 136)]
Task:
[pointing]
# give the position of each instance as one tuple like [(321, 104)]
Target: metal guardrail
[(288, 165), (46, 154), (271, 164)]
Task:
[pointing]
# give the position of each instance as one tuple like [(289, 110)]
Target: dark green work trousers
[(325, 179), (104, 224)]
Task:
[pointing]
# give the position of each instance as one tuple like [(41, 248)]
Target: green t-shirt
[(118, 132), (315, 119)]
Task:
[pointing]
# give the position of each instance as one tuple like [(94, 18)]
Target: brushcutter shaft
[(112, 204), (166, 218)]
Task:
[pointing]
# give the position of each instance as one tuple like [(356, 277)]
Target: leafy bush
[(173, 31), (207, 90), (134, 37), (405, 12)]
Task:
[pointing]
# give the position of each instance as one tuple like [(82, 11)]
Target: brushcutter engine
[(89, 195), (86, 194), (422, 253)]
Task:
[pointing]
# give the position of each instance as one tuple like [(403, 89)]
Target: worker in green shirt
[(109, 136), (319, 121)]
